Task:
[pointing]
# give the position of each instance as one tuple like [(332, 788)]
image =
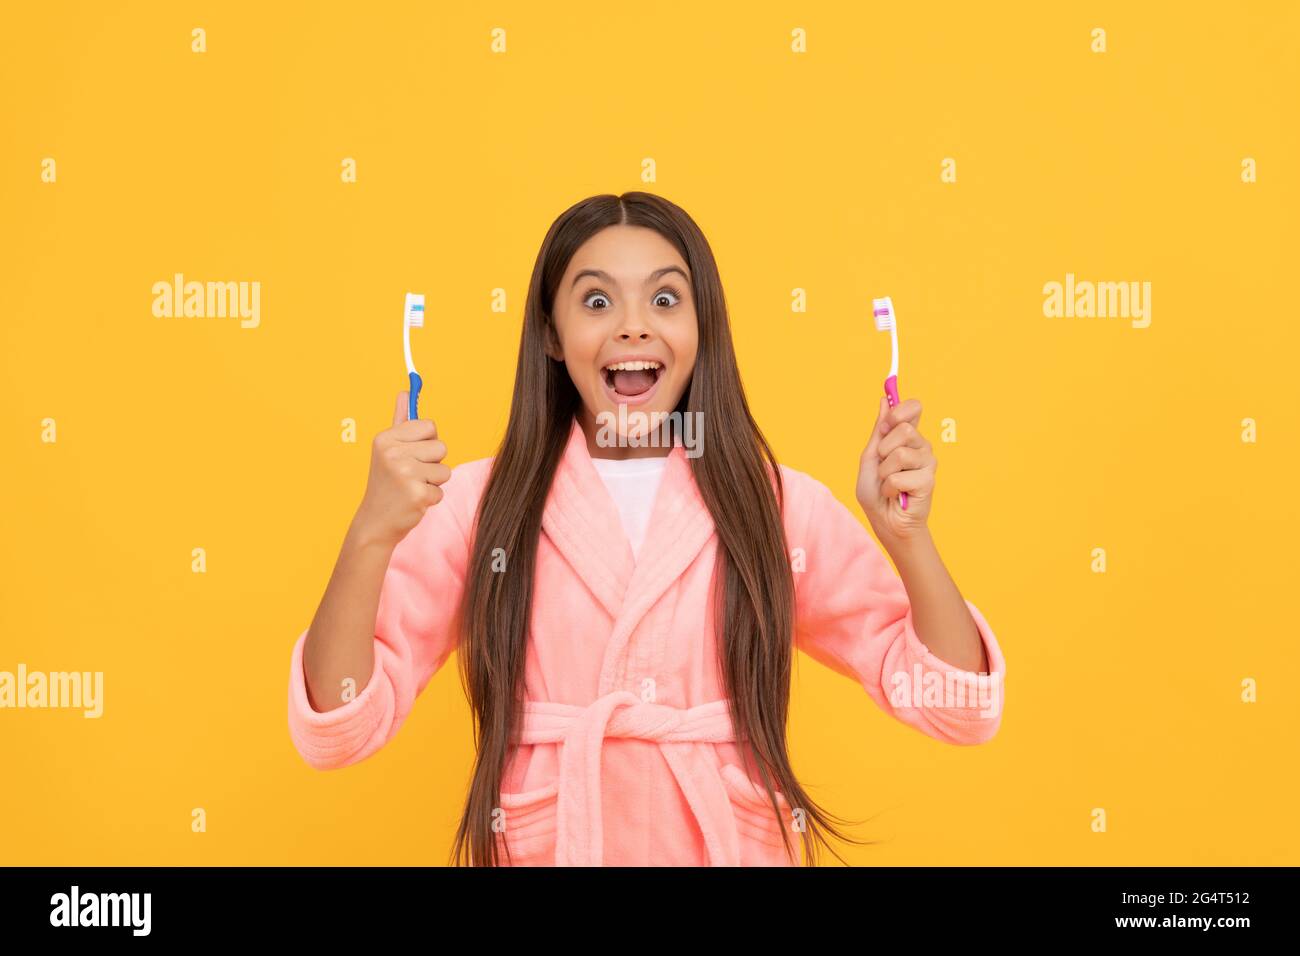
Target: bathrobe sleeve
[(854, 616), (414, 635)]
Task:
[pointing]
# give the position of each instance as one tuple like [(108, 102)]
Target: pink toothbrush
[(883, 310)]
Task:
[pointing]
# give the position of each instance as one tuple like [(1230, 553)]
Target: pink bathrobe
[(627, 755)]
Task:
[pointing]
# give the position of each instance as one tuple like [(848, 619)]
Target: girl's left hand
[(897, 458)]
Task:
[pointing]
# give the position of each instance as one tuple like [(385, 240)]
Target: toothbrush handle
[(413, 412), (891, 392)]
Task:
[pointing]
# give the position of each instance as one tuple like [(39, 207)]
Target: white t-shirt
[(632, 483)]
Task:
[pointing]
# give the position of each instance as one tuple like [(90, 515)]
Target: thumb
[(400, 413), (880, 429)]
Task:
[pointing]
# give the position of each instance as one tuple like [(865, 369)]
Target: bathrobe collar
[(583, 523)]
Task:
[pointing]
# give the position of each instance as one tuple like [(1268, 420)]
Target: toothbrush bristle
[(883, 311), (414, 310)]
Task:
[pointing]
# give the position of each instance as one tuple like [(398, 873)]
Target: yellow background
[(817, 171)]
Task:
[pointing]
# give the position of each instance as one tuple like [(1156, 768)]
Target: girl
[(626, 614)]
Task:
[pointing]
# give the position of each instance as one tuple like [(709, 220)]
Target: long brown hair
[(738, 480)]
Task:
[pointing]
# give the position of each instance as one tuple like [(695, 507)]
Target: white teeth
[(631, 366)]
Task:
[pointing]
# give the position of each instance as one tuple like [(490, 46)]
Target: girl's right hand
[(405, 472)]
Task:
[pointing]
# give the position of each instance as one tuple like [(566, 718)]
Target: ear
[(552, 347)]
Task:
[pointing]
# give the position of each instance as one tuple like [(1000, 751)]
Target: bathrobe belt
[(682, 735)]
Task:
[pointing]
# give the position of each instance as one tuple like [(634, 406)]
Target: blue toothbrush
[(412, 318)]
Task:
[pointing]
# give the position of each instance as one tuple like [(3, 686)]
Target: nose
[(634, 327)]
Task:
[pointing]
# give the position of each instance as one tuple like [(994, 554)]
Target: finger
[(427, 450), (427, 493), (913, 480), (401, 412), (435, 473), (908, 410), (421, 429), (902, 459), (904, 435)]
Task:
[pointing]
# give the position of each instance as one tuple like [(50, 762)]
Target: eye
[(668, 291), (594, 294)]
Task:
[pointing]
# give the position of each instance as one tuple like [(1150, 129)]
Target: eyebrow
[(601, 274)]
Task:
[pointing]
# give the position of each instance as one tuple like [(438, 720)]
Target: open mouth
[(632, 381)]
